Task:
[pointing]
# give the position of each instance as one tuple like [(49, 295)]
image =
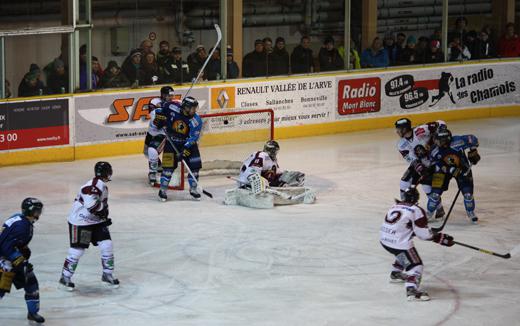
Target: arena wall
[(106, 123)]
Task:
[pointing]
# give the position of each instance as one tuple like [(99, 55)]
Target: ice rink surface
[(202, 263)]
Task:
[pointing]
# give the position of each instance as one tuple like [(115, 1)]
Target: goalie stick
[(484, 251), (219, 38), (188, 168)]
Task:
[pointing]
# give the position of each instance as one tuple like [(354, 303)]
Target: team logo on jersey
[(180, 127), (223, 98)]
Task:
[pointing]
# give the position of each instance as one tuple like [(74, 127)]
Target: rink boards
[(106, 123)]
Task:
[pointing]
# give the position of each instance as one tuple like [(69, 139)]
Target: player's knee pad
[(427, 189), (434, 200), (153, 155)]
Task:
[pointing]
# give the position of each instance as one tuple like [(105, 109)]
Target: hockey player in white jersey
[(414, 146), (88, 223), (154, 141), (265, 164), (404, 220), (261, 184)]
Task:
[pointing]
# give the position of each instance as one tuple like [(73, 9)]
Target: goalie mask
[(272, 148)]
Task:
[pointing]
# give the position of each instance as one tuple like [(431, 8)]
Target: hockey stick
[(272, 191), (219, 38), (484, 251), (188, 168)]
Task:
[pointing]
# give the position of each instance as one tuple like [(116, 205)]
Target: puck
[(226, 122)]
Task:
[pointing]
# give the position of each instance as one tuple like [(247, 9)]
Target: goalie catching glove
[(443, 239)]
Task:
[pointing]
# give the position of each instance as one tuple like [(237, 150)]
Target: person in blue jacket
[(183, 126), (375, 56), (15, 235), (451, 162)]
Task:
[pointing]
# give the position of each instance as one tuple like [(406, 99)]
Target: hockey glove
[(473, 156), (420, 168), (443, 239), (102, 214), (186, 152), (26, 252)]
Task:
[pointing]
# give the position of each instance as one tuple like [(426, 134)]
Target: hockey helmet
[(442, 138), (103, 170), (403, 126), (32, 207), (189, 105), (167, 93), (272, 147), (410, 195)]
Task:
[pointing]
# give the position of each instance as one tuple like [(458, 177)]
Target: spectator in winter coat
[(162, 55), (355, 61), (31, 85), (375, 56), (390, 47), (97, 70), (458, 51), (175, 69), (409, 54), (132, 68), (268, 45), (459, 30), (58, 80), (232, 67), (196, 61), (113, 78), (484, 48), (471, 43), (329, 57), (301, 57), (422, 49), (150, 69), (213, 68), (279, 59), (509, 43), (400, 44), (435, 54), (255, 62)]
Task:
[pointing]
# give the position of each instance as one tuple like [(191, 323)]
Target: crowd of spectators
[(144, 67)]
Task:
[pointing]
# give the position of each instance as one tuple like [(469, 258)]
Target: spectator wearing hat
[(375, 56), (176, 70), (409, 54), (255, 62), (458, 51), (31, 85), (484, 47), (132, 68), (278, 59), (434, 53), (150, 69), (213, 68), (196, 61), (58, 80), (302, 60), (509, 43), (329, 57), (232, 67), (113, 78)]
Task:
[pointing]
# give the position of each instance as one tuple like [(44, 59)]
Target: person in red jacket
[(509, 44)]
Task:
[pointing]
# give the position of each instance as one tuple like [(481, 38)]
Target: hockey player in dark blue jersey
[(183, 126), (451, 162), (16, 233)]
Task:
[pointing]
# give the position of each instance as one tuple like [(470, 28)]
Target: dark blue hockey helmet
[(442, 138), (189, 105), (166, 92), (32, 207)]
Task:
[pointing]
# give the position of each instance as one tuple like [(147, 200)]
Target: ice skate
[(397, 277), (110, 281), (440, 213), (152, 178), (35, 317), (194, 192), (472, 217), (66, 283), (413, 294), (162, 195)]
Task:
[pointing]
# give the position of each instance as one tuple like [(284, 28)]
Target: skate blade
[(66, 288), (395, 281), (110, 286), (421, 298)]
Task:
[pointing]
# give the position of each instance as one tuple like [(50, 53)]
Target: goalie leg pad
[(244, 197)]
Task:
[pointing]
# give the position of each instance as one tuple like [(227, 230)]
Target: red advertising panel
[(34, 124), (359, 95)]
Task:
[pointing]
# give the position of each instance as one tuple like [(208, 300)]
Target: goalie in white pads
[(262, 185), (404, 220)]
